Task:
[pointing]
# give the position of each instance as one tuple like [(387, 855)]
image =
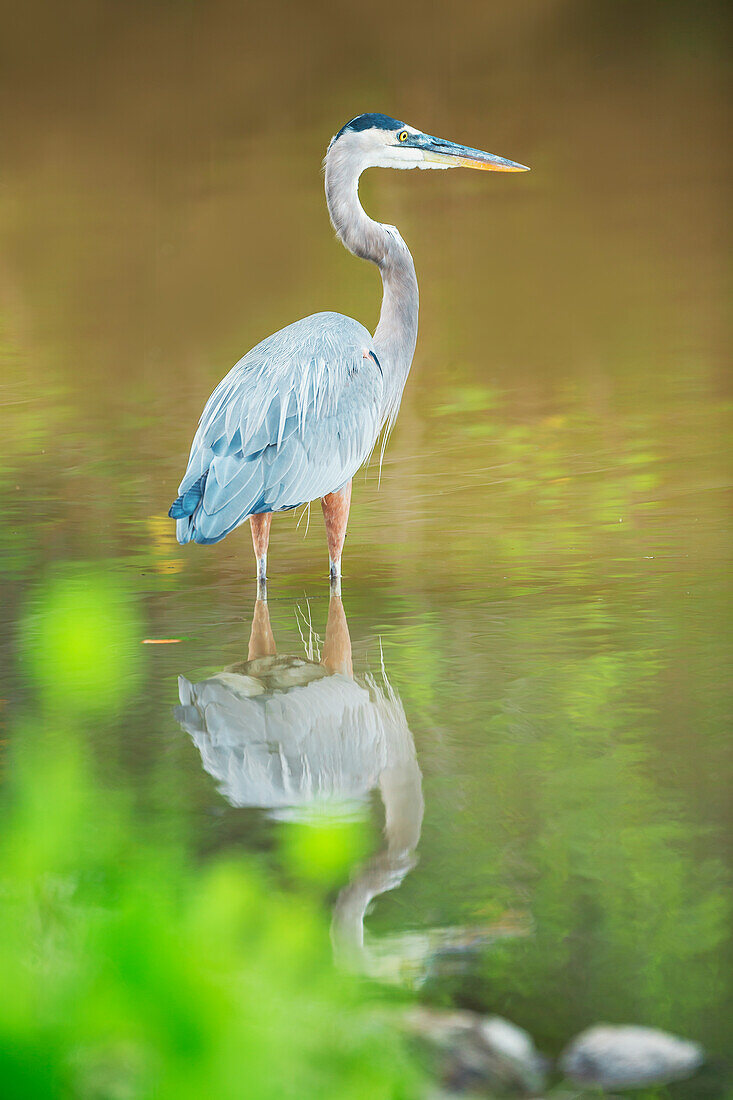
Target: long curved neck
[(396, 334)]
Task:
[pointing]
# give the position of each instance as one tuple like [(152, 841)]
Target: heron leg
[(336, 514), (260, 525)]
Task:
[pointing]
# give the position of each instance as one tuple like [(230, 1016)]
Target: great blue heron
[(299, 414)]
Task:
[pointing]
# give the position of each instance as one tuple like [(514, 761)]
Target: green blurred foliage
[(131, 972), (129, 969), (81, 642), (323, 851)]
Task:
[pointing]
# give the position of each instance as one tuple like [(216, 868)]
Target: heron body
[(298, 415)]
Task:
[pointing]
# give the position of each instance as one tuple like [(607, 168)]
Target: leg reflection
[(261, 638), (337, 645)]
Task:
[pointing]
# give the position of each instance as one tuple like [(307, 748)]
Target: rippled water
[(536, 595)]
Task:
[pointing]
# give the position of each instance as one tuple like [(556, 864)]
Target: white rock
[(629, 1056), (508, 1039), (481, 1053)]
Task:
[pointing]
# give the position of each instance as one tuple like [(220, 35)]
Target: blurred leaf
[(80, 642)]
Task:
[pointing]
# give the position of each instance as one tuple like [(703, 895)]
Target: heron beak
[(447, 153)]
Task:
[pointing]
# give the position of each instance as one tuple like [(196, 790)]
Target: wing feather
[(292, 421)]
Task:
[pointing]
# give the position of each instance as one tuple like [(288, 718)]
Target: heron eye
[(402, 136)]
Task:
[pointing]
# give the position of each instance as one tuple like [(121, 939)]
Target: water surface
[(540, 578)]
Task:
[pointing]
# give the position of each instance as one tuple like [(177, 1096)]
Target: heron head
[(378, 141)]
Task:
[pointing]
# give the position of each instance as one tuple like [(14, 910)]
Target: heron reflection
[(287, 733)]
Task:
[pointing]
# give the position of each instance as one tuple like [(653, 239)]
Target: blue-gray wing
[(292, 421)]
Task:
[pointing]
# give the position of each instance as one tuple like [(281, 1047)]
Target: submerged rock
[(477, 1054), (626, 1057)]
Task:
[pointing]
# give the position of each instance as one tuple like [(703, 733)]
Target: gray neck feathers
[(396, 334)]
